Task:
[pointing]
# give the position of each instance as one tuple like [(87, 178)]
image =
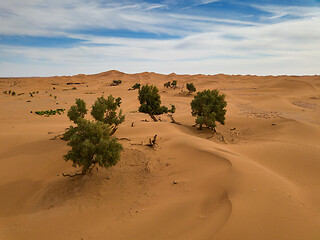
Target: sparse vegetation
[(150, 101), (12, 93), (47, 113), (209, 106), (116, 82), (136, 86), (167, 84), (32, 93), (174, 84), (91, 142), (191, 88)]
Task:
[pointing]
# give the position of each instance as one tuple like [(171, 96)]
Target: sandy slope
[(257, 178)]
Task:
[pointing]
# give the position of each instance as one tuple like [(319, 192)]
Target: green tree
[(174, 84), (167, 84), (191, 88), (150, 101), (105, 110), (91, 142), (209, 106)]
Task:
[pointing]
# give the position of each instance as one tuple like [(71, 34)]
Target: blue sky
[(66, 37)]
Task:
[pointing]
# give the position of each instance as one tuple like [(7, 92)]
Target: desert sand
[(258, 177)]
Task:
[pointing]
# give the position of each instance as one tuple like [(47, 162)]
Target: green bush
[(191, 88), (209, 106), (150, 101), (167, 84), (173, 109), (116, 82), (91, 144), (105, 110), (47, 113), (174, 84), (136, 86)]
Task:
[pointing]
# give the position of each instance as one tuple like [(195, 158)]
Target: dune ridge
[(256, 178)]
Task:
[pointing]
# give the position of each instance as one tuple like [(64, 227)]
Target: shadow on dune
[(15, 197)]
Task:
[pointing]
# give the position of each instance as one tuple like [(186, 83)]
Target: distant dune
[(257, 178)]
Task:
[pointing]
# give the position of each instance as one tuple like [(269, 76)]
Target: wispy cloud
[(284, 41)]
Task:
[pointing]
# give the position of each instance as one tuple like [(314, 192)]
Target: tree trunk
[(153, 117), (113, 130), (173, 120)]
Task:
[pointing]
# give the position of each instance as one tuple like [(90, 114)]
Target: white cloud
[(205, 45)]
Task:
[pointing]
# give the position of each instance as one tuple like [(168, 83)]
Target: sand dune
[(256, 178)]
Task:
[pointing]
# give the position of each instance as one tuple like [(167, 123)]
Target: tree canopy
[(105, 110), (150, 101), (191, 88), (91, 141), (208, 107)]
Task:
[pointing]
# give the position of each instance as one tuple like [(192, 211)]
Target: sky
[(68, 37)]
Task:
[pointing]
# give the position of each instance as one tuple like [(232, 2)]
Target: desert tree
[(191, 88), (208, 107), (105, 110), (136, 86), (174, 84), (90, 141), (91, 144), (167, 84), (115, 83), (150, 101)]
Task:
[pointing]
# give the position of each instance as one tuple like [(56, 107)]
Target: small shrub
[(167, 84), (47, 113), (115, 82), (174, 84), (136, 86), (173, 109), (209, 106), (13, 93)]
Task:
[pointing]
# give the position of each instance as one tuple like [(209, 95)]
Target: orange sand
[(258, 181)]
